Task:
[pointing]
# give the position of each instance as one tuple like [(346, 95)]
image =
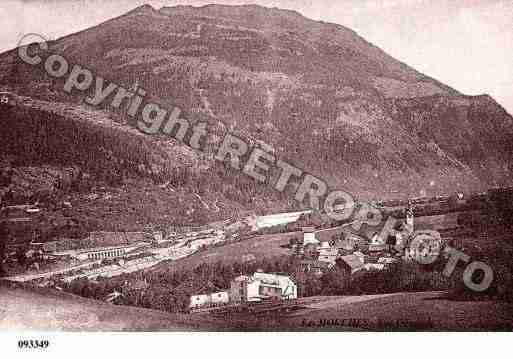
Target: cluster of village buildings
[(322, 250), (107, 254)]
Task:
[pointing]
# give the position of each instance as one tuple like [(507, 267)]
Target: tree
[(336, 282), (2, 254), (21, 257)]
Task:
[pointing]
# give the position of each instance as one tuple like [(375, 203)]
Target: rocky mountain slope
[(90, 172), (317, 93)]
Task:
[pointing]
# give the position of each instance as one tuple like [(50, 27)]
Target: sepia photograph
[(263, 166)]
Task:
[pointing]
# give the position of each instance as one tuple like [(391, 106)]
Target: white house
[(204, 300), (310, 236), (219, 298), (262, 286), (199, 300)]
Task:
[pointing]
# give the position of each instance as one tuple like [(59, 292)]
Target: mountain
[(320, 95)]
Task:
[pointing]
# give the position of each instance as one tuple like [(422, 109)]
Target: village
[(317, 251)]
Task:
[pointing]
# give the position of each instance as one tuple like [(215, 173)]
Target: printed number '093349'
[(33, 344)]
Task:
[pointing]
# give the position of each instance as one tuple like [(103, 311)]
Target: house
[(376, 239), (331, 261), (287, 287), (326, 247), (328, 254), (350, 242), (326, 251), (426, 253), (425, 246), (211, 299), (220, 297), (345, 246), (200, 300), (360, 256), (208, 294), (352, 263), (375, 266), (270, 290), (387, 260), (262, 286), (362, 247), (315, 266), (112, 296), (309, 236), (373, 248)]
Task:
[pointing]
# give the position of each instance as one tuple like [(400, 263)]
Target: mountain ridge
[(319, 94)]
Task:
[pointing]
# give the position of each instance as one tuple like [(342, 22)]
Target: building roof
[(387, 260), (353, 261), (378, 247), (328, 251), (272, 278), (355, 237), (317, 263), (359, 255), (375, 266), (97, 249), (241, 278), (102, 249), (270, 285), (330, 261)]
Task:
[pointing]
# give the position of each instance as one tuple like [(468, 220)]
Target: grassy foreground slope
[(23, 309), (45, 309), (403, 311)]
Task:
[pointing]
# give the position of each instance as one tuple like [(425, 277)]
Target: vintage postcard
[(244, 166)]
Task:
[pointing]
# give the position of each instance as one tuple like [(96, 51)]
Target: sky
[(466, 44)]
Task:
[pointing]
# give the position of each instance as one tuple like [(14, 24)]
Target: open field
[(259, 247)]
